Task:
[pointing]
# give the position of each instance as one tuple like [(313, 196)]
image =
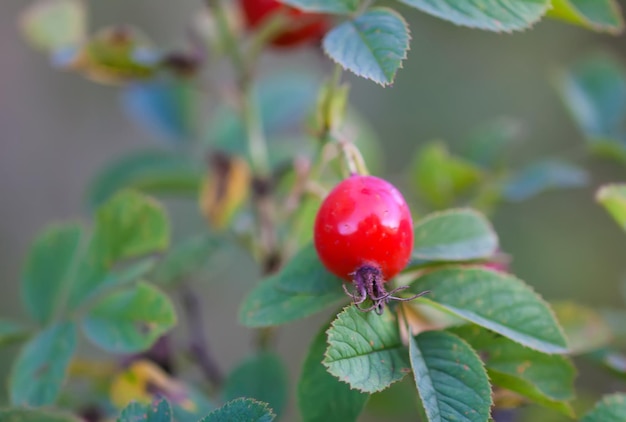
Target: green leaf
[(450, 378), (262, 377), (326, 6), (373, 45), (10, 332), (612, 360), (322, 397), (40, 369), (488, 144), (54, 24), (454, 235), (613, 198), (497, 301), (398, 402), (241, 410), (599, 15), (491, 15), (130, 320), (584, 328), (441, 178), (305, 274), (365, 350), (48, 269), (610, 408), (284, 100), (32, 415), (115, 55), (191, 407), (300, 289), (150, 171), (594, 90), (544, 379), (158, 411), (542, 176), (184, 259), (269, 304), (167, 107), (129, 273), (127, 226)]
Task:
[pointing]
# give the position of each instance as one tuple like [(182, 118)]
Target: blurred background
[(57, 130)]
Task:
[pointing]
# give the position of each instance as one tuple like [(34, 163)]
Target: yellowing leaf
[(53, 24), (95, 370), (115, 56), (225, 189), (599, 15), (613, 198), (142, 381)]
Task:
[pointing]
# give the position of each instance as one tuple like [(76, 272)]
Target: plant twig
[(199, 345)]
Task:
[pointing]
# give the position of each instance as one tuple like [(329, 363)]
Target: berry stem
[(353, 158)]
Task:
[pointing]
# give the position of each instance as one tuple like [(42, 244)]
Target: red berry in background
[(302, 27), (499, 262), (502, 267), (364, 233)]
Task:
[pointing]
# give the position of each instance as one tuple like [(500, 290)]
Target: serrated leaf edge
[(264, 405), (474, 353), (530, 24), (604, 401), (402, 59), (565, 350), (332, 325)]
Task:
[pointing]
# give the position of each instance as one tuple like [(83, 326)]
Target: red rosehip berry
[(364, 233), (302, 28)]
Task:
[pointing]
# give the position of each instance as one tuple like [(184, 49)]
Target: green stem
[(333, 86), (324, 138), (353, 158), (231, 43), (270, 257), (268, 29), (257, 145)]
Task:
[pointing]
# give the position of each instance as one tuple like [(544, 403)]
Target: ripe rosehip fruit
[(364, 233), (303, 27)]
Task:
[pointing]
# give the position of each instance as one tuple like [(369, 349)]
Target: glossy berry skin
[(364, 222), (303, 27)]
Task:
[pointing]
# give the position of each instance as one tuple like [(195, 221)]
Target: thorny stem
[(199, 345)]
